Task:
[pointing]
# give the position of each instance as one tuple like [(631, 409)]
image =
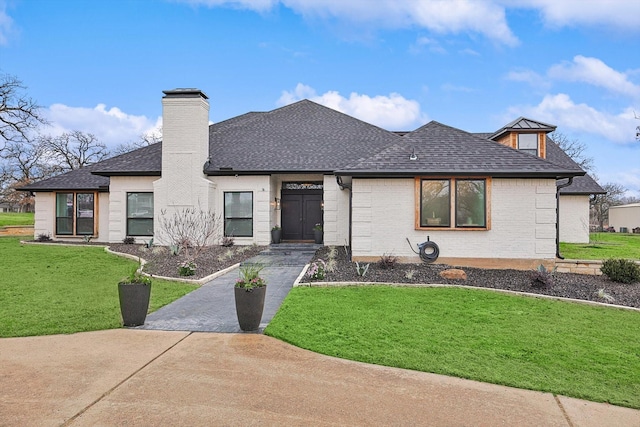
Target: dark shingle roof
[(300, 137), (581, 184), (442, 149), (145, 161), (79, 179)]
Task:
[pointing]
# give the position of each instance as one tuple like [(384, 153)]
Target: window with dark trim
[(75, 214), (238, 214), (140, 214), (450, 203)]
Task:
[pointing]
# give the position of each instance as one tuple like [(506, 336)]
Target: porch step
[(285, 254)]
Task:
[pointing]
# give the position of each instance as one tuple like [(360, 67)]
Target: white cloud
[(560, 110), (6, 24), (594, 72), (618, 14), (439, 16), (425, 42), (528, 76), (111, 126), (389, 112)]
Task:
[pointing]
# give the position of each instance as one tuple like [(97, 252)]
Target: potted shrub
[(134, 292), (317, 233), (250, 290), (276, 234)]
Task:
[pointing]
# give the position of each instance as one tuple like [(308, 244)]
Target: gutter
[(558, 188), (342, 186)]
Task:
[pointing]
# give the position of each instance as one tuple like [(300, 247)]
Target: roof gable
[(523, 124)]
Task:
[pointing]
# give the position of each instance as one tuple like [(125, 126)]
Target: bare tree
[(190, 229), (600, 203), (574, 148), (144, 140), (73, 150), (19, 114)]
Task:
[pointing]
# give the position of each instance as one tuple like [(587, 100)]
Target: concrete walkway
[(211, 308), (148, 378)]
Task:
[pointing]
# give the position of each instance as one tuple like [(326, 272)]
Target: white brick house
[(487, 197)]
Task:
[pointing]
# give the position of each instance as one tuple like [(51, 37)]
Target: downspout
[(342, 186), (558, 188)]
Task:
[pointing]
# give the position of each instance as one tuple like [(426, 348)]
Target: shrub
[(542, 277), (227, 241), (250, 277), (387, 261), (361, 270), (43, 237), (317, 270), (129, 240), (187, 268), (621, 270)]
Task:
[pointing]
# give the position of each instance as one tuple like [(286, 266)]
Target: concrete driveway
[(142, 377)]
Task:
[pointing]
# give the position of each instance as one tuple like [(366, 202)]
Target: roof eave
[(497, 174), (126, 173)]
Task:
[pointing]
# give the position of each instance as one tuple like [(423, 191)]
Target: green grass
[(9, 218), (603, 246), (47, 289), (569, 349)]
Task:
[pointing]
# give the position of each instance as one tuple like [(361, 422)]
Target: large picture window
[(238, 214), (75, 214), (139, 214), (452, 203)]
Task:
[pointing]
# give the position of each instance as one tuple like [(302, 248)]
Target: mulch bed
[(210, 260), (576, 286)]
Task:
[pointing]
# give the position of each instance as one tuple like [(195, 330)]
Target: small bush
[(43, 237), (227, 241), (316, 270), (187, 268), (129, 240), (361, 270), (541, 277), (621, 270), (388, 261)]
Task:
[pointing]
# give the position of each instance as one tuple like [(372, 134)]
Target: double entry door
[(301, 211)]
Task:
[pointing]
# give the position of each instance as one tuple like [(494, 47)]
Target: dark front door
[(301, 210)]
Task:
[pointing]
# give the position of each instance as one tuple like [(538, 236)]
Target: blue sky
[(100, 66)]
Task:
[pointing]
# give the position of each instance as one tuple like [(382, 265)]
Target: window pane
[(238, 214), (470, 203), (528, 141), (139, 214), (435, 210), (84, 214), (64, 213), (238, 227), (140, 227)]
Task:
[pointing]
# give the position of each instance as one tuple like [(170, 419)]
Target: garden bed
[(567, 285)]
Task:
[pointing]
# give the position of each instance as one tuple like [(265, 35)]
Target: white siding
[(522, 221), (118, 189), (336, 212), (45, 214), (574, 219)]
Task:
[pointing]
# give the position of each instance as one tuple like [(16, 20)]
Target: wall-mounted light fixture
[(321, 204), (277, 204)]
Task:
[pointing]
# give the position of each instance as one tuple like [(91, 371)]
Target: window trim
[(74, 217), (528, 150), (224, 213), (127, 217), (453, 203)]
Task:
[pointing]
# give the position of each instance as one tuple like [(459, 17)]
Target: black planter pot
[(276, 235), (249, 307), (134, 302), (317, 236)]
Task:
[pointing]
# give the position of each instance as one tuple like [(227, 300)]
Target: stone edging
[(581, 266), (443, 285)]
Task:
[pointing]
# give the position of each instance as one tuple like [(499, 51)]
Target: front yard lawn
[(11, 218), (603, 246), (47, 289), (564, 348)]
